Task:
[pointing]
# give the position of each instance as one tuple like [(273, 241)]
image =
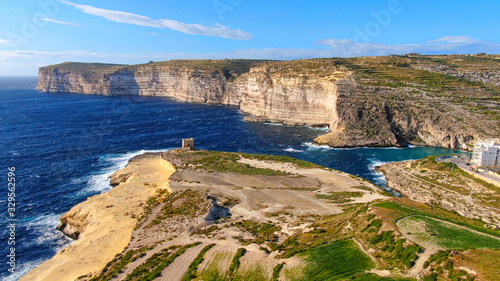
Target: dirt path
[(364, 251), (180, 265)]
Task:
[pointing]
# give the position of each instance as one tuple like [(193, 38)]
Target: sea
[(63, 148)]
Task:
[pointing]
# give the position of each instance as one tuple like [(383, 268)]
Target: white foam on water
[(312, 146), (379, 177), (321, 129), (291, 149), (273, 124), (22, 269), (99, 181), (45, 227)]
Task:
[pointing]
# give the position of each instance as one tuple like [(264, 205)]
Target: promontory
[(207, 215)]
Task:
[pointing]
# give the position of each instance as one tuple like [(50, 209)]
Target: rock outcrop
[(379, 101)]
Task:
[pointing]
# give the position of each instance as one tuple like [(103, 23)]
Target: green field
[(373, 277), (449, 236), (336, 261)]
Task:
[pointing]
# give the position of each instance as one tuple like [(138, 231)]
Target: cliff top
[(241, 215)]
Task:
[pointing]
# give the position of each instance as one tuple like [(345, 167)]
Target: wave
[(312, 146), (99, 181), (291, 149), (22, 269), (378, 177), (273, 124), (321, 129), (45, 228)]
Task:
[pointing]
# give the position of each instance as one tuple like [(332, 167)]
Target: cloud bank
[(28, 62), (443, 45), (130, 18), (59, 22)]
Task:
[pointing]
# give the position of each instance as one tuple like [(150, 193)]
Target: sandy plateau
[(104, 224), (106, 221)]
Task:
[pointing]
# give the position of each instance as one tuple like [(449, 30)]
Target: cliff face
[(380, 101)]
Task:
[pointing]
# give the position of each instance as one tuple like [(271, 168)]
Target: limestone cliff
[(444, 101)]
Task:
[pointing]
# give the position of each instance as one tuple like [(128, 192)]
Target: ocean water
[(65, 146)]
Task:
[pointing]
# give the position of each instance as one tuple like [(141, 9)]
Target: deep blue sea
[(64, 147)]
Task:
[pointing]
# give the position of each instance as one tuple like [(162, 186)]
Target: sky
[(35, 33)]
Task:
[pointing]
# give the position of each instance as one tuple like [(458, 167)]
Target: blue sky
[(35, 33)]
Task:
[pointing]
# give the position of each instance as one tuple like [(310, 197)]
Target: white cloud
[(28, 62), (130, 18), (456, 40), (447, 44), (154, 34), (4, 42), (60, 22)]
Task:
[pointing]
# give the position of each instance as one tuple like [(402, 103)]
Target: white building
[(487, 153)]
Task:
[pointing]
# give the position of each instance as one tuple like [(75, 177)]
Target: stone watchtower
[(188, 144)]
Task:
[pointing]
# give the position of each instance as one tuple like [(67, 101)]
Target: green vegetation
[(254, 273), (348, 259), (453, 237), (226, 162), (235, 263), (182, 203), (363, 187), (193, 267), (212, 272), (261, 231), (426, 211), (276, 271), (207, 231), (326, 229), (373, 277), (373, 226), (282, 159), (340, 197), (153, 267), (119, 262), (441, 265), (230, 68), (406, 255)]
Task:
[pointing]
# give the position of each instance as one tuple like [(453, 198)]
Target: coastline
[(104, 223)]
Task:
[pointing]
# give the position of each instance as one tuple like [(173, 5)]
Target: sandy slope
[(107, 221)]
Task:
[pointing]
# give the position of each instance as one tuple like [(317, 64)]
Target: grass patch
[(276, 271), (118, 263), (373, 277), (403, 206), (182, 203), (261, 231), (453, 237), (235, 263), (153, 267), (254, 273), (282, 159), (345, 255), (226, 162), (193, 267), (340, 197), (212, 272), (363, 187)]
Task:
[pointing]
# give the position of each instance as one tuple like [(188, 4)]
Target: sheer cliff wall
[(363, 106)]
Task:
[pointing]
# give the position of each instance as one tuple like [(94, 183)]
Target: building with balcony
[(487, 153)]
